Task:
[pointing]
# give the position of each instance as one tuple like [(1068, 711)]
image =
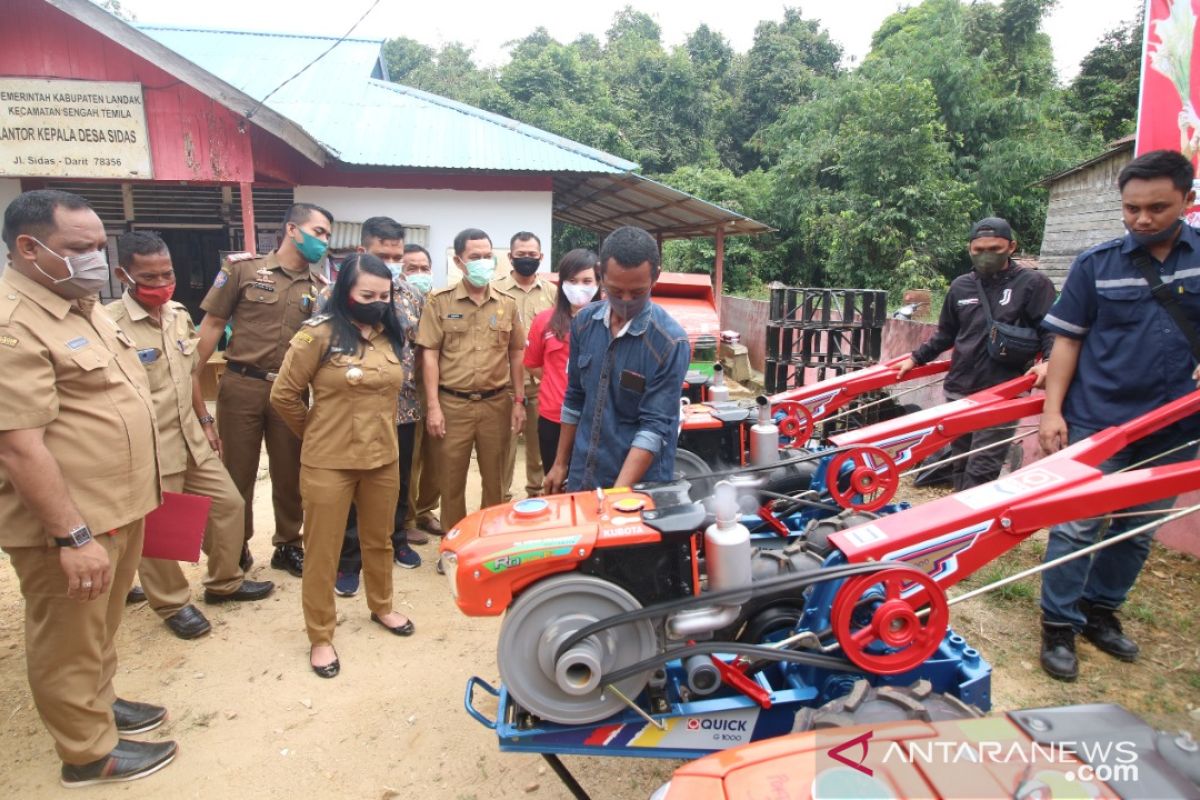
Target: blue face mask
[(397, 270), (1166, 234), (421, 281), (480, 271)]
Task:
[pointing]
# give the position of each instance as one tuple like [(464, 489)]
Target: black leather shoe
[(1058, 652), (249, 590), (247, 560), (188, 623), (330, 670), (1103, 629), (134, 717), (400, 630), (289, 557), (136, 595), (128, 761)]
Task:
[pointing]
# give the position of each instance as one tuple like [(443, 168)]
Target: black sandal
[(329, 670), (400, 630)]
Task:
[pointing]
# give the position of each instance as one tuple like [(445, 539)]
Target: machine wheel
[(693, 468), (569, 691), (866, 704)]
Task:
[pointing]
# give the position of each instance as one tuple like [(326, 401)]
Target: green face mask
[(989, 263), (310, 247), (480, 271), (421, 281)]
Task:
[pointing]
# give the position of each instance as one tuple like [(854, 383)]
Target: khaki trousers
[(533, 454), (424, 484), (327, 496), (244, 418), (482, 426), (70, 648), (167, 589)]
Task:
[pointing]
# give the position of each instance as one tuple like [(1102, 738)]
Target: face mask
[(397, 270), (310, 247), (421, 281), (1165, 235), (479, 271), (628, 309), (88, 273), (988, 263), (579, 294), (152, 297), (368, 313), (526, 266)]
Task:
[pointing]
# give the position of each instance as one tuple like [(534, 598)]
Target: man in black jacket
[(1015, 295)]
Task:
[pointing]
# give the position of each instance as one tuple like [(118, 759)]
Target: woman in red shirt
[(549, 344)]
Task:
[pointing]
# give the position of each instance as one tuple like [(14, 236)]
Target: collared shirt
[(407, 302), (267, 304), (167, 350), (1134, 358), (547, 352), (69, 370), (530, 302), (623, 392), (473, 340), (352, 421)]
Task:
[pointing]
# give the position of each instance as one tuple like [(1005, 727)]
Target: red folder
[(175, 529)]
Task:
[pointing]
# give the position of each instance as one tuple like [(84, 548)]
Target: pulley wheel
[(894, 621), (696, 471), (797, 423), (868, 485), (570, 691)]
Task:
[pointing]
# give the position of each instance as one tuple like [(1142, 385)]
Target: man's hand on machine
[(905, 367), (1039, 369), (1052, 433)]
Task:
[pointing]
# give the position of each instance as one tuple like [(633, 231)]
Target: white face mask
[(396, 268), (88, 273), (579, 294)]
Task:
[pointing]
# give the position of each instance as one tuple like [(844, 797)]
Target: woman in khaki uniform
[(351, 360)]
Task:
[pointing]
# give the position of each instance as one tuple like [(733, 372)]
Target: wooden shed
[(1085, 209)]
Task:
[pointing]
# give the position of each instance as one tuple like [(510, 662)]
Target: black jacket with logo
[(1017, 295)]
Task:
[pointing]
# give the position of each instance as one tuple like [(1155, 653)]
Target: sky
[(1075, 26)]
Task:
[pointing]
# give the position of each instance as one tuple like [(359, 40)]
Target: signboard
[(73, 129)]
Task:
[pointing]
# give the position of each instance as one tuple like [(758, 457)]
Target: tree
[(1105, 91)]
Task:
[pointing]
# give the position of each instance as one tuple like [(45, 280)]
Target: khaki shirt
[(267, 303), (530, 302), (474, 340), (350, 425), (167, 350), (75, 374)]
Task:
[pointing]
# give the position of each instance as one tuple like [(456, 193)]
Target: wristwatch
[(520, 400), (207, 419), (76, 537)]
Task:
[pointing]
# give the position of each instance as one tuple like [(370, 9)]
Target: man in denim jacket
[(624, 377)]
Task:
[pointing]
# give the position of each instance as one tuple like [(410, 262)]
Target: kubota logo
[(858, 741)]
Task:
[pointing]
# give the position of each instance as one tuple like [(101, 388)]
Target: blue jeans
[(1105, 577)]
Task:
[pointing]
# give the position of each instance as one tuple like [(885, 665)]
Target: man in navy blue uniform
[(1118, 354)]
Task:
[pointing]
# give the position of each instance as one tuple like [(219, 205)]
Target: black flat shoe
[(329, 670), (128, 761), (188, 623), (400, 630), (134, 717), (249, 591)]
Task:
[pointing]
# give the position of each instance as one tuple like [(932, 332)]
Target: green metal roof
[(346, 103)]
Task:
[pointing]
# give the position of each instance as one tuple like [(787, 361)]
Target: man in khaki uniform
[(473, 344), (533, 294), (268, 299), (78, 475), (188, 445)]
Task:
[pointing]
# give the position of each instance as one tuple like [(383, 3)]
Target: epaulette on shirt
[(233, 258), (317, 320), (1097, 248), (8, 304)]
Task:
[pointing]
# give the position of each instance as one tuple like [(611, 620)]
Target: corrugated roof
[(345, 103)]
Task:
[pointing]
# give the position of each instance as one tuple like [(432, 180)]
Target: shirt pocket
[(500, 332), (455, 333), (257, 295), (1121, 306), (91, 366), (1189, 297)]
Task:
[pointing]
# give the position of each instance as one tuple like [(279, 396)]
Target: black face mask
[(526, 265), (368, 313), (1148, 239)]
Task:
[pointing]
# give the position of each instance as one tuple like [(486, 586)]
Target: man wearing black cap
[(1016, 296)]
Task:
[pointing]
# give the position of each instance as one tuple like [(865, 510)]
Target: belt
[(250, 372), (472, 395)]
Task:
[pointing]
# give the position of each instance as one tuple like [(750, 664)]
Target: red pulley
[(896, 621), (798, 423), (870, 483)]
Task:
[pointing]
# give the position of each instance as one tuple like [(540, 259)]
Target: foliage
[(871, 173)]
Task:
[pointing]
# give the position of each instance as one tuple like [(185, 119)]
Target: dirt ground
[(253, 721)]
